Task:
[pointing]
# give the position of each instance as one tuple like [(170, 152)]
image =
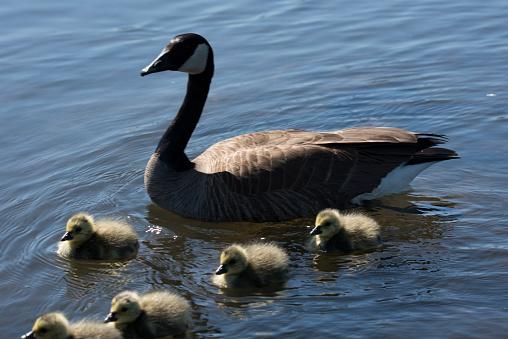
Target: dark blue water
[(79, 124)]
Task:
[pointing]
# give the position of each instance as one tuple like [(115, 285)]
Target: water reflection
[(344, 263), (100, 278), (273, 290)]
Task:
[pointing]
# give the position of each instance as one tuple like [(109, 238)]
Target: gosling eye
[(43, 330), (124, 309), (232, 261), (78, 229), (327, 224)]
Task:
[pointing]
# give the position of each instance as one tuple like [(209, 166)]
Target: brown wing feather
[(351, 160)]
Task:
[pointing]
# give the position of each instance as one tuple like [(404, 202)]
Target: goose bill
[(317, 230)]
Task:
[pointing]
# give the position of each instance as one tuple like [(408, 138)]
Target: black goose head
[(189, 53)]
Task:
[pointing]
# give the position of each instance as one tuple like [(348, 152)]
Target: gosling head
[(49, 326), (189, 53), (80, 227), (125, 308), (327, 224), (233, 260)]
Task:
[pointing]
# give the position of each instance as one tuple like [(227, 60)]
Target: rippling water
[(79, 125)]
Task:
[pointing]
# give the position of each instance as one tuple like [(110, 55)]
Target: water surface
[(79, 125)]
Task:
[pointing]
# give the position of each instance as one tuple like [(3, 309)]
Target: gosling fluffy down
[(253, 265), (152, 315), (56, 326), (102, 239), (334, 231)]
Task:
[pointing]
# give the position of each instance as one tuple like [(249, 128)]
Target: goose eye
[(43, 330), (327, 223), (78, 229), (124, 309), (232, 262)]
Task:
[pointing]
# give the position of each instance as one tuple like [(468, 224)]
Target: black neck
[(172, 144)]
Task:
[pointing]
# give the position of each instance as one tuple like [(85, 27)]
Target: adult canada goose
[(102, 239), (56, 326), (334, 231), (273, 175), (253, 265), (152, 315)]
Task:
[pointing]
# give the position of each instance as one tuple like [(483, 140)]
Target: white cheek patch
[(197, 62)]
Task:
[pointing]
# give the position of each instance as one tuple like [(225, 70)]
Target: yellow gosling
[(56, 326), (152, 315), (334, 231), (253, 265), (102, 239)]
